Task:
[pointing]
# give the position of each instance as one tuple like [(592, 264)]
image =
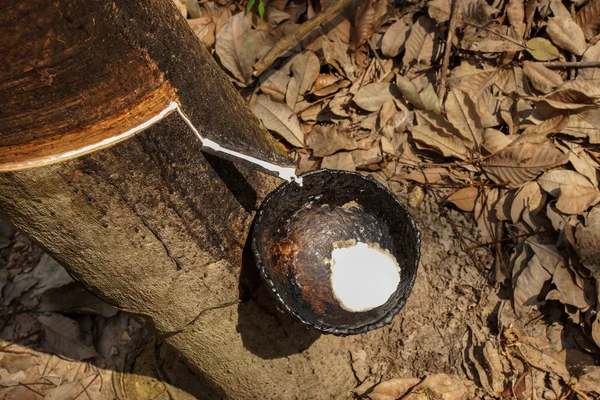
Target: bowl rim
[(339, 331)]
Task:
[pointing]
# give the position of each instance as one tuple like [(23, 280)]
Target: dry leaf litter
[(483, 116)]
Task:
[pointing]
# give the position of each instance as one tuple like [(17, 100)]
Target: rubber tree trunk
[(152, 223)]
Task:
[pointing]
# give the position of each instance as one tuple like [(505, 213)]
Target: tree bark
[(152, 223)]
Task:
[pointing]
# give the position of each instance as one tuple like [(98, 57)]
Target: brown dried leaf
[(571, 293), (372, 96), (427, 175), (365, 24), (542, 49), (393, 389), (464, 198), (235, 49), (566, 363), (589, 382), (551, 125), (495, 38), (559, 9), (592, 54), (442, 386), (336, 54), (430, 99), (527, 284), (323, 81), (325, 140), (588, 241), (585, 124), (512, 80), (541, 78), (573, 95), (62, 336), (462, 113), (274, 82), (419, 45), (518, 164), (566, 34), (342, 161), (278, 117), (305, 69), (362, 158), (585, 165), (439, 10), (204, 28), (588, 18), (409, 91), (575, 193), (516, 16), (394, 38), (494, 140), (449, 146), (529, 197)]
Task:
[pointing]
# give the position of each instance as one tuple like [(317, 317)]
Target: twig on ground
[(454, 17), (289, 41)]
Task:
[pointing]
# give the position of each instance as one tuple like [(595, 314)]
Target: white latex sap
[(363, 276)]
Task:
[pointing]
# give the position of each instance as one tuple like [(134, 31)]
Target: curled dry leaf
[(518, 164), (439, 10), (588, 241), (584, 124), (565, 363), (493, 40), (527, 285), (366, 16), (494, 140), (278, 117), (541, 78), (274, 83), (393, 389), (464, 198), (589, 382), (325, 140), (305, 69), (342, 161), (585, 165), (427, 175), (462, 113), (449, 146), (419, 45), (529, 197), (570, 293), (542, 49), (588, 18), (575, 193), (409, 92), (592, 54), (372, 96), (236, 52), (430, 99), (516, 16), (566, 34), (559, 9), (394, 38), (442, 386)]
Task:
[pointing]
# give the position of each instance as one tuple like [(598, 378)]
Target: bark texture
[(153, 224)]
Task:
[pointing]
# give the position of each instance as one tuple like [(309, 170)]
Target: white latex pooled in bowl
[(363, 276)]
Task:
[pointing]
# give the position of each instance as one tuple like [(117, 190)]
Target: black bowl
[(292, 242)]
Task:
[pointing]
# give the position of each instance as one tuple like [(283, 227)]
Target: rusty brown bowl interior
[(293, 236)]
